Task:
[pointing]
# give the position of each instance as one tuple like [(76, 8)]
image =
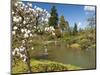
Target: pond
[(60, 53)]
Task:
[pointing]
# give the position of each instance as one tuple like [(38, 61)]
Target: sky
[(72, 13)]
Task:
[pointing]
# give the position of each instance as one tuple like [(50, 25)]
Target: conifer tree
[(64, 25), (53, 20), (75, 29)]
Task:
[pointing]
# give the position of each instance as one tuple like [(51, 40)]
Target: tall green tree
[(67, 23), (75, 29), (63, 24), (53, 20)]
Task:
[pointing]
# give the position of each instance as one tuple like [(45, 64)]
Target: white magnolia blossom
[(53, 34), (48, 15), (35, 27), (25, 30), (39, 9), (13, 53), (24, 58), (24, 14), (22, 8), (49, 29), (46, 20), (32, 48), (18, 53), (26, 6), (29, 4), (13, 32), (21, 55), (24, 22), (31, 35), (52, 28), (23, 4), (30, 40), (15, 27), (39, 30), (28, 31), (12, 12), (17, 19), (16, 49), (27, 25), (22, 49), (19, 4), (22, 30), (23, 41), (16, 4), (26, 35)]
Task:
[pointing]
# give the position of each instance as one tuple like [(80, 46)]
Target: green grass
[(20, 67), (42, 66)]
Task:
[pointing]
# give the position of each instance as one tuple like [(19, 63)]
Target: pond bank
[(42, 66)]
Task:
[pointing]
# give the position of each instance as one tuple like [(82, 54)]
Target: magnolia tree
[(26, 20), (50, 30)]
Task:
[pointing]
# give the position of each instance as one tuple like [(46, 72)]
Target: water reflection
[(82, 58)]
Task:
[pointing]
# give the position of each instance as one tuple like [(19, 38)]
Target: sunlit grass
[(42, 66)]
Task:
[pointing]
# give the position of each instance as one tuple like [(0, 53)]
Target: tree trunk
[(28, 57)]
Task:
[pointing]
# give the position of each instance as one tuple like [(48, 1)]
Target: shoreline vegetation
[(42, 66)]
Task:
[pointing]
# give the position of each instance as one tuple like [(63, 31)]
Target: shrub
[(58, 33), (85, 43)]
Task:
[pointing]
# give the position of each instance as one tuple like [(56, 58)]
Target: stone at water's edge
[(76, 46)]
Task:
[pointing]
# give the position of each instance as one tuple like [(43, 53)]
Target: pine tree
[(53, 20), (75, 29)]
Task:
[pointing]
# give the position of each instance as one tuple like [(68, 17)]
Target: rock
[(75, 45)]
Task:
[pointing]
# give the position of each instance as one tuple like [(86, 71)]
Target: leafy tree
[(53, 20), (70, 30), (75, 29), (91, 24)]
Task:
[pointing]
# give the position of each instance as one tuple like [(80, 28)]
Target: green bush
[(85, 43), (58, 33)]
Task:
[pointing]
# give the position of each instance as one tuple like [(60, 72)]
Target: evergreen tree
[(75, 29), (64, 25), (53, 20), (68, 28)]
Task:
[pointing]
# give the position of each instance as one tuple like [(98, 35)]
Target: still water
[(60, 53)]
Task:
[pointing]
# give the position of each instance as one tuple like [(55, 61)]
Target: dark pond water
[(60, 53)]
